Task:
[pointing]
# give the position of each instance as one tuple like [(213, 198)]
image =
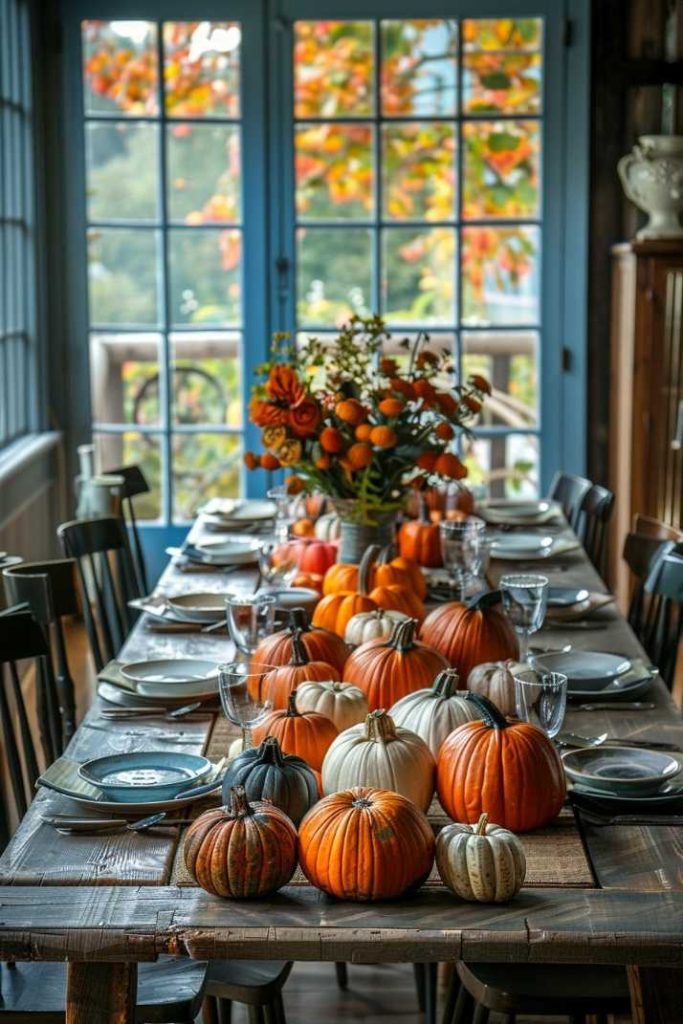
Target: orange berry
[(251, 460), (425, 390), (350, 411), (331, 440), (269, 461), (363, 431), (294, 485), (388, 365), (404, 387), (444, 431), (383, 437), (427, 461), (303, 528), (447, 404), (360, 455), (473, 404), (323, 462), (451, 466), (390, 407)]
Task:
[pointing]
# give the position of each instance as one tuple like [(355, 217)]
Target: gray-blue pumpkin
[(268, 774)]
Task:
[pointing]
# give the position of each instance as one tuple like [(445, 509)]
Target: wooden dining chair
[(664, 626), (642, 553), (593, 522), (50, 590), (648, 526), (569, 491), (107, 581), (134, 483)]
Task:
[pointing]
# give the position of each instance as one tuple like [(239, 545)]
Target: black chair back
[(641, 554), (664, 628), (596, 512), (134, 483), (50, 591), (107, 581), (569, 491)]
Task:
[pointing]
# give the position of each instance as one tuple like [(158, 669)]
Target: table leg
[(656, 995), (98, 993)]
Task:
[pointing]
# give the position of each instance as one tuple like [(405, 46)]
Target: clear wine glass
[(285, 515), (243, 698), (475, 547), (541, 698), (525, 599), (250, 617), (462, 550), (276, 568)]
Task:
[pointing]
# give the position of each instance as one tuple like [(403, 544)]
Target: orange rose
[(444, 431), (426, 461), (266, 414), (304, 417), (283, 385)]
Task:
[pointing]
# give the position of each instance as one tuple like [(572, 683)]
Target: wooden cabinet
[(646, 390)]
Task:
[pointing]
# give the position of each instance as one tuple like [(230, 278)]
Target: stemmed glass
[(276, 567), (285, 506), (541, 698), (243, 697), (251, 617), (476, 548), (525, 599), (462, 549)]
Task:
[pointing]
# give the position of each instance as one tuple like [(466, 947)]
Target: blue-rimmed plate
[(145, 775)]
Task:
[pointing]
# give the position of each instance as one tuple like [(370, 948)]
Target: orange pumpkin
[(384, 571), (417, 577), (398, 598), (309, 581), (366, 844), (508, 770), (306, 734), (279, 683), (309, 555), (335, 610), (420, 540), (468, 634), (342, 576), (303, 528), (319, 645), (387, 670)]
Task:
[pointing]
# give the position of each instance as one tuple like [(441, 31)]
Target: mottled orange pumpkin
[(470, 633), (306, 734)]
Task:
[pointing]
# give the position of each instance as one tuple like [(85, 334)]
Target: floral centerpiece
[(359, 424)]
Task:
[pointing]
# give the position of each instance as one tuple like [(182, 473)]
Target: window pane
[(121, 170), (120, 67), (509, 361), (124, 378), (418, 278), (500, 272), (333, 68), (204, 173), (418, 171), (507, 466), (206, 268), (334, 171), (122, 276), (334, 274), (204, 466), (419, 67), (202, 68), (502, 65), (134, 449), (501, 173), (206, 378)]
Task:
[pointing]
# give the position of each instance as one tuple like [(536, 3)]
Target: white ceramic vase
[(652, 176)]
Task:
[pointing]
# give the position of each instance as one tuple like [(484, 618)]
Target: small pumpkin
[(305, 734), (343, 703), (268, 774), (420, 540), (303, 527), (384, 571), (366, 844), (470, 633), (410, 569), (400, 598), (496, 680), (372, 626), (378, 753), (336, 609), (319, 644), (482, 863), (389, 669), (310, 581), (241, 852), (435, 712), (279, 682), (317, 557), (328, 527), (509, 770)]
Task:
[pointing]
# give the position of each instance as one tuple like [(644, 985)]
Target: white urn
[(652, 176)]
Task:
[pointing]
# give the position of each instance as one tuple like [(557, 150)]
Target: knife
[(635, 705)]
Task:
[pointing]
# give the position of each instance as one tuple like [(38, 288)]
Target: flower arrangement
[(360, 425)]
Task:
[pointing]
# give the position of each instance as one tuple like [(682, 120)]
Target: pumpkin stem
[(402, 637), (337, 686), (239, 805), (487, 599), (298, 620), (270, 751), (481, 825), (490, 715), (385, 556), (379, 727), (362, 801), (292, 711), (299, 655), (366, 563), (446, 683)]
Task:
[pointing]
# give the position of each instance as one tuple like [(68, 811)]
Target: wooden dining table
[(104, 903)]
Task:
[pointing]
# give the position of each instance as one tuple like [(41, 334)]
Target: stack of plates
[(624, 774), (530, 545), (515, 512), (236, 515), (596, 675), (169, 679), (222, 553)]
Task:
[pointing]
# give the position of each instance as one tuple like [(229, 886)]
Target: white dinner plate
[(240, 511), (585, 668), (198, 607), (669, 792), (631, 686), (515, 545), (224, 552)]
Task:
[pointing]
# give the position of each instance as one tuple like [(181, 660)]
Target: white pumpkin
[(482, 863), (376, 753), (372, 626), (496, 680), (435, 712), (328, 527), (235, 748), (343, 703)]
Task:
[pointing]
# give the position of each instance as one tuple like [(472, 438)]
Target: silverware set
[(573, 739), (70, 825)]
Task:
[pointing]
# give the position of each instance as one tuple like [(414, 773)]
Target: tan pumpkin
[(277, 684), (482, 863), (471, 633), (304, 733), (377, 753), (343, 703), (387, 670), (372, 626), (241, 852), (336, 609), (328, 527), (496, 680), (435, 712)]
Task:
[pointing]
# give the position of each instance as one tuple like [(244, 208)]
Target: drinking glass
[(541, 698), (276, 567), (476, 547), (285, 514), (525, 599), (243, 697), (460, 550), (251, 617)]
